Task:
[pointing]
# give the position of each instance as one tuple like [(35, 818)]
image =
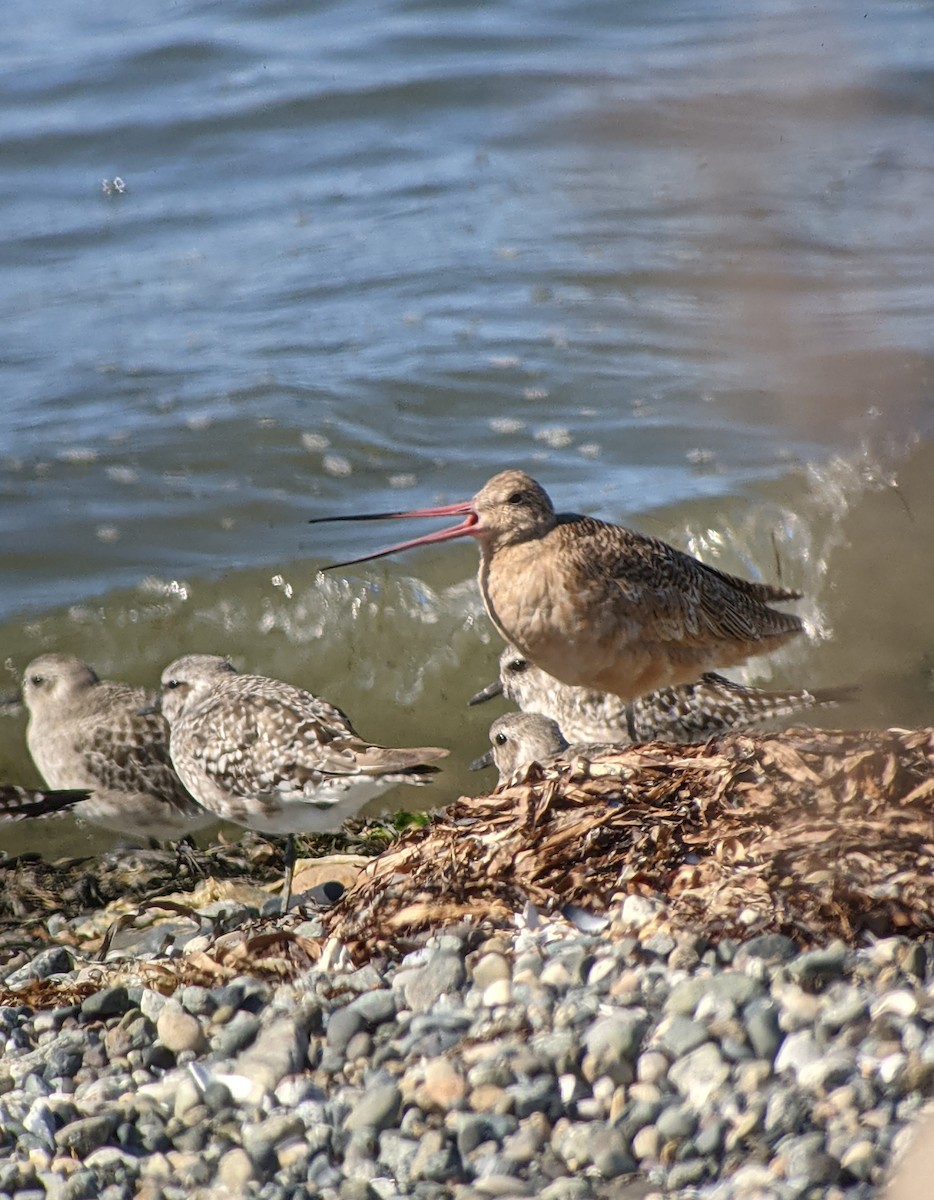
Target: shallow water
[(674, 260)]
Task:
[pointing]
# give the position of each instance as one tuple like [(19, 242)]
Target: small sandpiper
[(272, 757), (86, 732), (690, 712), (20, 803), (597, 605), (518, 739)]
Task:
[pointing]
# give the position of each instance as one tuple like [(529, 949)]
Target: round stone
[(179, 1031)]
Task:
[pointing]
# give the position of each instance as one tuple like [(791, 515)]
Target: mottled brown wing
[(131, 754), (677, 597), (270, 742)]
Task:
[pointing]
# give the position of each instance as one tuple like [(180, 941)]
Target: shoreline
[(543, 992), (545, 1060)]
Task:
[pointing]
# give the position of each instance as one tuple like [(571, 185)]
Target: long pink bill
[(466, 527)]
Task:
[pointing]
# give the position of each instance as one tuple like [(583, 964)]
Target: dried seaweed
[(811, 833), (816, 834), (274, 954)]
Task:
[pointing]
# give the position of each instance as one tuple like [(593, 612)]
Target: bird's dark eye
[(37, 680), (500, 739), (171, 684), (516, 498), (517, 666)]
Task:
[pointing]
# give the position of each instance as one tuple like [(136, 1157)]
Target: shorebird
[(520, 738), (272, 757), (690, 712), (597, 605), (19, 803), (86, 732)]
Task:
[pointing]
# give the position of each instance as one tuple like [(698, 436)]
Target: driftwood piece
[(812, 833)]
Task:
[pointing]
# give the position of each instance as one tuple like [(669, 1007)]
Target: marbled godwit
[(19, 803), (597, 605), (272, 757), (690, 712), (520, 738), (86, 732)]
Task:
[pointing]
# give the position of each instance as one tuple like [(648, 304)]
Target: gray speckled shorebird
[(272, 757), (86, 732), (520, 738), (689, 712), (600, 606), (20, 803)]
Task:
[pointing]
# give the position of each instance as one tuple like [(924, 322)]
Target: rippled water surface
[(674, 259)]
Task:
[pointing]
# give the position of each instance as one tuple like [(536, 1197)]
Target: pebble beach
[(566, 1057)]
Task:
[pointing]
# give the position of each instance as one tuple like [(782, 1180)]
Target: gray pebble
[(680, 1035), (374, 1007), (613, 1043), (676, 1121), (436, 1158), (739, 989), (397, 1153), (86, 1134), (700, 1075), (238, 1033), (443, 973), (807, 1161), (378, 1108), (845, 1009), (539, 1095), (609, 1152), (82, 1185), (199, 1001), (152, 1003), (54, 960), (342, 1025), (709, 1138), (358, 1189), (567, 1188), (816, 967), (659, 944), (640, 1114), (106, 1003), (786, 1111), (41, 1123), (684, 1174), (279, 1050), (769, 947), (762, 1030)]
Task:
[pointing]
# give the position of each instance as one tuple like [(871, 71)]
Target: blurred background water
[(674, 259)]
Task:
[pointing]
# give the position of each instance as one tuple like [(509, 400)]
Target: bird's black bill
[(383, 516), (487, 693), (485, 760)]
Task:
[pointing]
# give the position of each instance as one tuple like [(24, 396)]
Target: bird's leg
[(289, 862)]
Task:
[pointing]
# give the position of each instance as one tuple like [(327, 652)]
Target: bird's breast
[(564, 617)]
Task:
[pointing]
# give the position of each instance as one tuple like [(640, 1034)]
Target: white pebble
[(496, 993), (639, 910), (896, 1004)]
